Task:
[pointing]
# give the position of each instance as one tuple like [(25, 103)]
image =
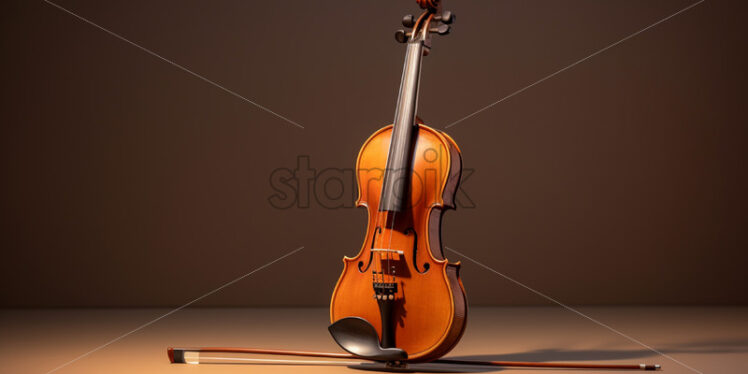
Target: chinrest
[(358, 337)]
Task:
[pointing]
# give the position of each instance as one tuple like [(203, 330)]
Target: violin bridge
[(393, 252)]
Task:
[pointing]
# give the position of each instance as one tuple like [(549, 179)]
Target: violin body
[(426, 314)]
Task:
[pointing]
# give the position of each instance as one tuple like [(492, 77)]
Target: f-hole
[(426, 265), (361, 267)]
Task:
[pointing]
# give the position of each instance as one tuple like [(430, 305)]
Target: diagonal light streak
[(489, 106), (574, 310), (170, 62), (173, 311)]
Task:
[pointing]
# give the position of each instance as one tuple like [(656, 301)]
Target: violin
[(407, 174), (399, 300)]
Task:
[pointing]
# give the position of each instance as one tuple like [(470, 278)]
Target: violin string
[(381, 223), (375, 256), (381, 242), (389, 246)]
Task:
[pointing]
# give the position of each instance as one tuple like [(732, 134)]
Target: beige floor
[(709, 340)]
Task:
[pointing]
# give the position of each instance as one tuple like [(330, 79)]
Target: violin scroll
[(429, 4), (432, 20)]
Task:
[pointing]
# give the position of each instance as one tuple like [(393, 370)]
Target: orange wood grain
[(430, 308)]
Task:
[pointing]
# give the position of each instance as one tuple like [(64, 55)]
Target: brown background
[(128, 182)]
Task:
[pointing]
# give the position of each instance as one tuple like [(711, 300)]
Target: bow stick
[(192, 356)]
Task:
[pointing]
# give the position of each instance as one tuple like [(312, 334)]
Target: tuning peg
[(409, 20), (446, 17), (441, 29), (401, 36)]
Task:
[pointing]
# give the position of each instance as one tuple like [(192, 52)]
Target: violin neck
[(396, 175)]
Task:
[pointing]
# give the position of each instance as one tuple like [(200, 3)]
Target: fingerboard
[(397, 172)]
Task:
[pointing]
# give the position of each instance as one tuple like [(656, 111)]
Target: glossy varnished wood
[(430, 310)]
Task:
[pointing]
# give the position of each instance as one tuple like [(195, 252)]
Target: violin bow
[(193, 356)]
